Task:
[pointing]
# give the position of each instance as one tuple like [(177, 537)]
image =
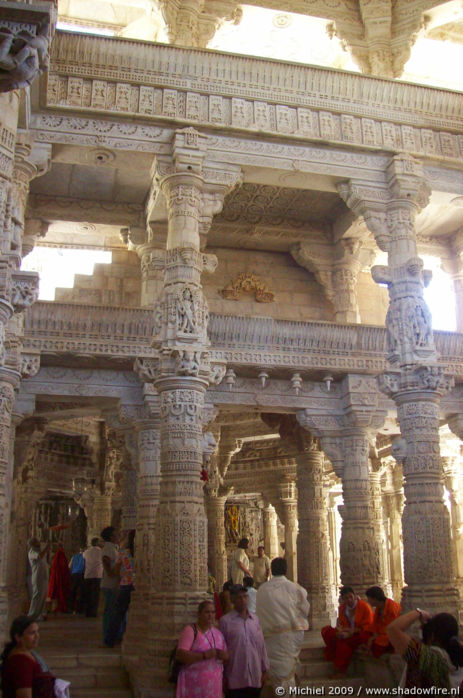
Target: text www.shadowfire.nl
[(364, 691)]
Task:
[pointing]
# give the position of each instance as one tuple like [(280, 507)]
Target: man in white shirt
[(248, 584), (283, 609), (261, 570), (92, 578)]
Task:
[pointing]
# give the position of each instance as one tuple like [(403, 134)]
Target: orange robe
[(363, 617), (392, 609)]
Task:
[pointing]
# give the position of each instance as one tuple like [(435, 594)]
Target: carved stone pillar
[(26, 491), (270, 531), (147, 425), (129, 482), (415, 382), (181, 378), (359, 547), (313, 544), (378, 523), (288, 513), (217, 554), (9, 382), (454, 267), (346, 441), (454, 486), (98, 509), (394, 499)]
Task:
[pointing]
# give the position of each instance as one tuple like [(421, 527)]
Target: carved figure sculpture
[(22, 57)]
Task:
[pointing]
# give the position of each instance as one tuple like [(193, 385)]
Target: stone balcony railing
[(160, 83), (69, 329)]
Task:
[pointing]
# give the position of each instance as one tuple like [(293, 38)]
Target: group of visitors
[(378, 627), (75, 588), (249, 646)]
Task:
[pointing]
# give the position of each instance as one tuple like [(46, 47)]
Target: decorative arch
[(245, 282)]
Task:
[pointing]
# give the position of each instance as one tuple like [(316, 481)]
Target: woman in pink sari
[(202, 650)]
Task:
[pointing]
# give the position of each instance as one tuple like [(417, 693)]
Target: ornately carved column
[(9, 381), (181, 380), (139, 627), (313, 544), (288, 513), (415, 382), (378, 520), (215, 506), (359, 547)]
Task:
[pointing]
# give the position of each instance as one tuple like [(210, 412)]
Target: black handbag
[(174, 664)]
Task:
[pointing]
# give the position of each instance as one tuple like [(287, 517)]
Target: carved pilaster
[(394, 498), (270, 531), (378, 523)]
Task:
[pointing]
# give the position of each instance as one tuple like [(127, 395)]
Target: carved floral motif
[(245, 282)]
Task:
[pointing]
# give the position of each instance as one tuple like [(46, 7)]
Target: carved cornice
[(323, 105)]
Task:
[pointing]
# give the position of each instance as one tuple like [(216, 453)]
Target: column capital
[(407, 182)]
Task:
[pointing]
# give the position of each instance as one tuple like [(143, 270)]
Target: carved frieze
[(308, 112)]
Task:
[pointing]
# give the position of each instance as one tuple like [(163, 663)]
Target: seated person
[(354, 618), (386, 610)]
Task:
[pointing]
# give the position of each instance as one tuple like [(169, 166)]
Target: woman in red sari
[(24, 674), (59, 585)]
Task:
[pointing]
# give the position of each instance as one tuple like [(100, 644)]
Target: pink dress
[(201, 679)]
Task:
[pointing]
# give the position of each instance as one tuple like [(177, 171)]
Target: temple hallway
[(72, 647)]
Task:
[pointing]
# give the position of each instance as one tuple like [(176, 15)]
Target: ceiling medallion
[(101, 156), (281, 21)]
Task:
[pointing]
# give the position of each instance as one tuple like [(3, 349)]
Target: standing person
[(76, 595), (248, 584), (435, 662), (59, 585), (385, 610), (247, 666), (110, 581), (124, 571), (261, 571), (24, 673), (283, 609), (92, 578), (354, 618), (202, 650), (240, 562), (39, 578)]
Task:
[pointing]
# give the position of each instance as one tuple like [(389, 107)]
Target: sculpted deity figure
[(22, 57)]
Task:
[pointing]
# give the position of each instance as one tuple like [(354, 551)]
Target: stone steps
[(72, 649)]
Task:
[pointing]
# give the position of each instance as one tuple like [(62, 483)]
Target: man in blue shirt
[(76, 596)]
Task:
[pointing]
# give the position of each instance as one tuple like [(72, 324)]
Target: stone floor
[(72, 647)]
